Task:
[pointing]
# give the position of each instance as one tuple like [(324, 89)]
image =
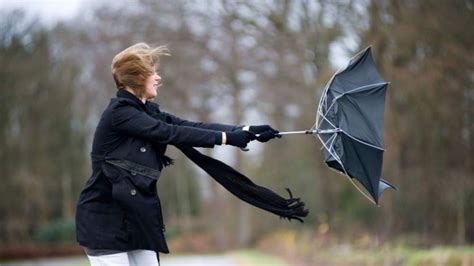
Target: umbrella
[(349, 124)]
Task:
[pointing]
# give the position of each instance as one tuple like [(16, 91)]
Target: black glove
[(239, 138), (265, 132)]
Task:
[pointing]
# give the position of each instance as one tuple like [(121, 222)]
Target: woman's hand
[(264, 132), (238, 138)]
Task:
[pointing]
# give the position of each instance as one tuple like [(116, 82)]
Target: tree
[(42, 141), (429, 125)]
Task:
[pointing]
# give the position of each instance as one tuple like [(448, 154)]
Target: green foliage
[(449, 256), (352, 206), (60, 230)]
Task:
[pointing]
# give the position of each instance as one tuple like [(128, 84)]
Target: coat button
[(133, 173), (143, 149), (133, 192)]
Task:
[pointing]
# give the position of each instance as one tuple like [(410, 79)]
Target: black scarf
[(243, 188), (237, 183)]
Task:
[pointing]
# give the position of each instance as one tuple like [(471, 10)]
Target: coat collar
[(121, 93), (149, 106)]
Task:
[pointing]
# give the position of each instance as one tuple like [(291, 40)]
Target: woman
[(118, 216)]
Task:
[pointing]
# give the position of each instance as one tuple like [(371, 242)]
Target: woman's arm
[(210, 126), (130, 120)]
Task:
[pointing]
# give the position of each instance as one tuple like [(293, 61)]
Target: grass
[(449, 256), (442, 256), (325, 249)]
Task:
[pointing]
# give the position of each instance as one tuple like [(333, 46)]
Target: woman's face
[(151, 86)]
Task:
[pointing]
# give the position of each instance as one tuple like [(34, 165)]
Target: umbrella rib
[(332, 104), (338, 159), (333, 153), (333, 136), (327, 120), (332, 141), (352, 91), (362, 142), (361, 88), (331, 124), (321, 100), (351, 60), (362, 192), (335, 156)]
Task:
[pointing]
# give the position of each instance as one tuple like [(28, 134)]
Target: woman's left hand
[(264, 132)]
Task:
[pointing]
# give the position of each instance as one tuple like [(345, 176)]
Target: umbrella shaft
[(298, 132), (314, 131)]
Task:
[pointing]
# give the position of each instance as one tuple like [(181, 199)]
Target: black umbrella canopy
[(350, 123)]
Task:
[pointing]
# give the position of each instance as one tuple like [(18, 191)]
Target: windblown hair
[(132, 66)]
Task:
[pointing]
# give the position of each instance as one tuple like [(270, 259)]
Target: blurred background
[(247, 62)]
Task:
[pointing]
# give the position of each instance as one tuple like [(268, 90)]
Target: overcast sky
[(49, 11)]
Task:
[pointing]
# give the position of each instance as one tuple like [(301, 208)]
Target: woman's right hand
[(264, 132), (239, 138)]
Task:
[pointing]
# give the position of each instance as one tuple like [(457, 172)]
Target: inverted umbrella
[(349, 124)]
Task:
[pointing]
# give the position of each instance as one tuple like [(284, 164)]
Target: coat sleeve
[(211, 126), (129, 120)]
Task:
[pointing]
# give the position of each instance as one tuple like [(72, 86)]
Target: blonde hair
[(132, 66)]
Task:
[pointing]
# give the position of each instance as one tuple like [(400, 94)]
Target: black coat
[(119, 207)]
